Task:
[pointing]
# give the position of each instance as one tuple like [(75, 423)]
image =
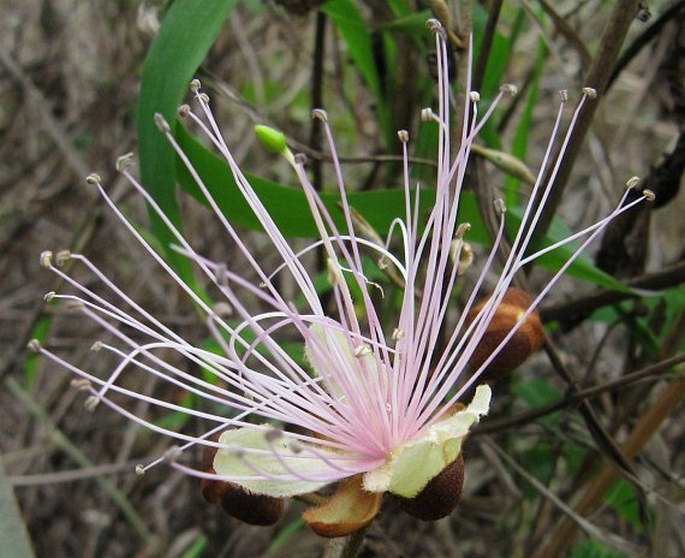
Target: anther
[(48, 297), (590, 92), (509, 89), (125, 162), (462, 229), (649, 194), (500, 208), (171, 454), (434, 25), (466, 258), (140, 470), (81, 384), (62, 257), (632, 182), (91, 403), (563, 95), (34, 345), (320, 114), (300, 159), (94, 179), (46, 259), (195, 85), (96, 346), (272, 435), (333, 273), (474, 96), (184, 110), (295, 447), (403, 136), (427, 114), (162, 124), (397, 334), (204, 98), (362, 350), (223, 309)]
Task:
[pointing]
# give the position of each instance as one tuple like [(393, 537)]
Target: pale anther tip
[(161, 123), (172, 454), (434, 25), (91, 403), (649, 194), (96, 346), (500, 207), (474, 96), (403, 136), (462, 229), (300, 159), (183, 111), (46, 259), (62, 257), (563, 95), (140, 470), (93, 179), (632, 182), (81, 384), (397, 334), (204, 98), (320, 114), (223, 309), (362, 350), (124, 162), (426, 114), (590, 92), (509, 89), (34, 345), (48, 297), (195, 85), (272, 435)]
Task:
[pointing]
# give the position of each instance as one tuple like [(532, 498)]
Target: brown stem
[(669, 276), (645, 428), (572, 399), (597, 77)]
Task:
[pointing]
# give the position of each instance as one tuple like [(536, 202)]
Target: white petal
[(412, 466), (252, 463)]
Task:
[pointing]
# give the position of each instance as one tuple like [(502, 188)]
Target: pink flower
[(376, 403)]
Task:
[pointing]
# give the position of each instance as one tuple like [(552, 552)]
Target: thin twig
[(644, 429), (597, 77), (572, 399), (79, 457)]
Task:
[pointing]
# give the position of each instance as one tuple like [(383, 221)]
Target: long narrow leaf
[(187, 32)]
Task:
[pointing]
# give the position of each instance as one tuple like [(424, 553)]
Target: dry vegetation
[(69, 78)]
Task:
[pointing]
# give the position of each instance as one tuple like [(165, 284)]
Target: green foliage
[(185, 36), (594, 549)]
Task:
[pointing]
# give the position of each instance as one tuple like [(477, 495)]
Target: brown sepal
[(440, 496), (234, 500), (525, 342), (347, 510)]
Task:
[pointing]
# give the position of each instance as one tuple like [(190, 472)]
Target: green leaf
[(594, 549), (187, 32), (289, 210), (288, 206), (350, 23)]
